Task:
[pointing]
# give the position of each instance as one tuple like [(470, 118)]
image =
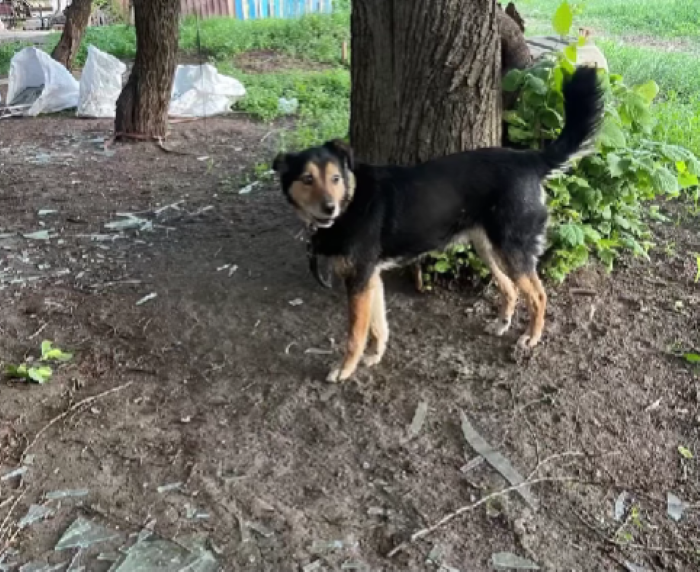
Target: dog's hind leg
[(359, 315), (378, 326), (536, 298), (509, 293)]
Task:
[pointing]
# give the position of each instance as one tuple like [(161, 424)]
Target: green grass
[(324, 95), (7, 50), (678, 76), (315, 37), (679, 121), (673, 71), (657, 18)]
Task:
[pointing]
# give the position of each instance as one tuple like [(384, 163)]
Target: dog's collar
[(312, 257)]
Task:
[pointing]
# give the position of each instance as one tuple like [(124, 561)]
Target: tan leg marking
[(536, 299), (359, 315), (378, 326), (509, 293)]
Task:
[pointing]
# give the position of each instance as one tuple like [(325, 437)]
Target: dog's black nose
[(328, 206)]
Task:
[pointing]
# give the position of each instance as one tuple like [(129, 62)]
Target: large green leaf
[(611, 135), (571, 53), (665, 181), (637, 107), (572, 234), (693, 164), (536, 84), (648, 90), (687, 180), (512, 80), (614, 165), (563, 19)]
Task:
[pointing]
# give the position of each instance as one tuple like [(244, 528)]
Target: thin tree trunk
[(142, 107), (425, 78), (77, 19)]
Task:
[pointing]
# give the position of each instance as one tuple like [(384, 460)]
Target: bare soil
[(267, 61), (226, 398)]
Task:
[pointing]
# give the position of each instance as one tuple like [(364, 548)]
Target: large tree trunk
[(425, 78), (77, 18), (142, 107)]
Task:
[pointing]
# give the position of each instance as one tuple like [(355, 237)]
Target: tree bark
[(142, 106), (425, 78), (77, 18)]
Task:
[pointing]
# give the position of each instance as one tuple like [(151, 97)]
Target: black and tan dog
[(370, 218)]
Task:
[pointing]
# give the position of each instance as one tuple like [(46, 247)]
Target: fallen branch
[(70, 410), (4, 527), (470, 507), (551, 458), (583, 292)]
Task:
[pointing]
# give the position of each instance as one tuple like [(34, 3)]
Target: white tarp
[(100, 84), (201, 91), (32, 68)]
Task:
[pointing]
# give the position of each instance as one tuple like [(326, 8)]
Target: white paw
[(527, 342), (338, 374), (333, 376), (498, 327), (372, 360)]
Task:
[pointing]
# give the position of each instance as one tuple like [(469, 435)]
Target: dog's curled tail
[(583, 113)]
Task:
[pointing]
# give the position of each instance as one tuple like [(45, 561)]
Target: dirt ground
[(219, 380)]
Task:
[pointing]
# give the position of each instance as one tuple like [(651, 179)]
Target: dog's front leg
[(360, 298)]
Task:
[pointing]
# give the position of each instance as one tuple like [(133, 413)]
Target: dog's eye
[(335, 179), (307, 179)]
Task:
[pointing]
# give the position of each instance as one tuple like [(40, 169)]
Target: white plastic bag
[(100, 84), (31, 68), (201, 91)]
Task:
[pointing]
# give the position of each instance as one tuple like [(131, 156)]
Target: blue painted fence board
[(255, 9)]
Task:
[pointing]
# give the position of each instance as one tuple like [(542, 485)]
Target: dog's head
[(317, 181)]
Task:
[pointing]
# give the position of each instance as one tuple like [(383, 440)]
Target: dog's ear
[(343, 151), (280, 164)]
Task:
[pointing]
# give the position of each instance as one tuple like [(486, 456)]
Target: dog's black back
[(397, 214), (400, 213)]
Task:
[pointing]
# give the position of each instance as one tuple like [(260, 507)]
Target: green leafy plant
[(50, 353), (685, 452), (563, 19), (40, 372), (451, 263), (600, 207)]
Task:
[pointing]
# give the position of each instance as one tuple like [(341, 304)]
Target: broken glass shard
[(56, 495), (675, 507), (35, 513), (509, 561), (83, 534), (166, 556)]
